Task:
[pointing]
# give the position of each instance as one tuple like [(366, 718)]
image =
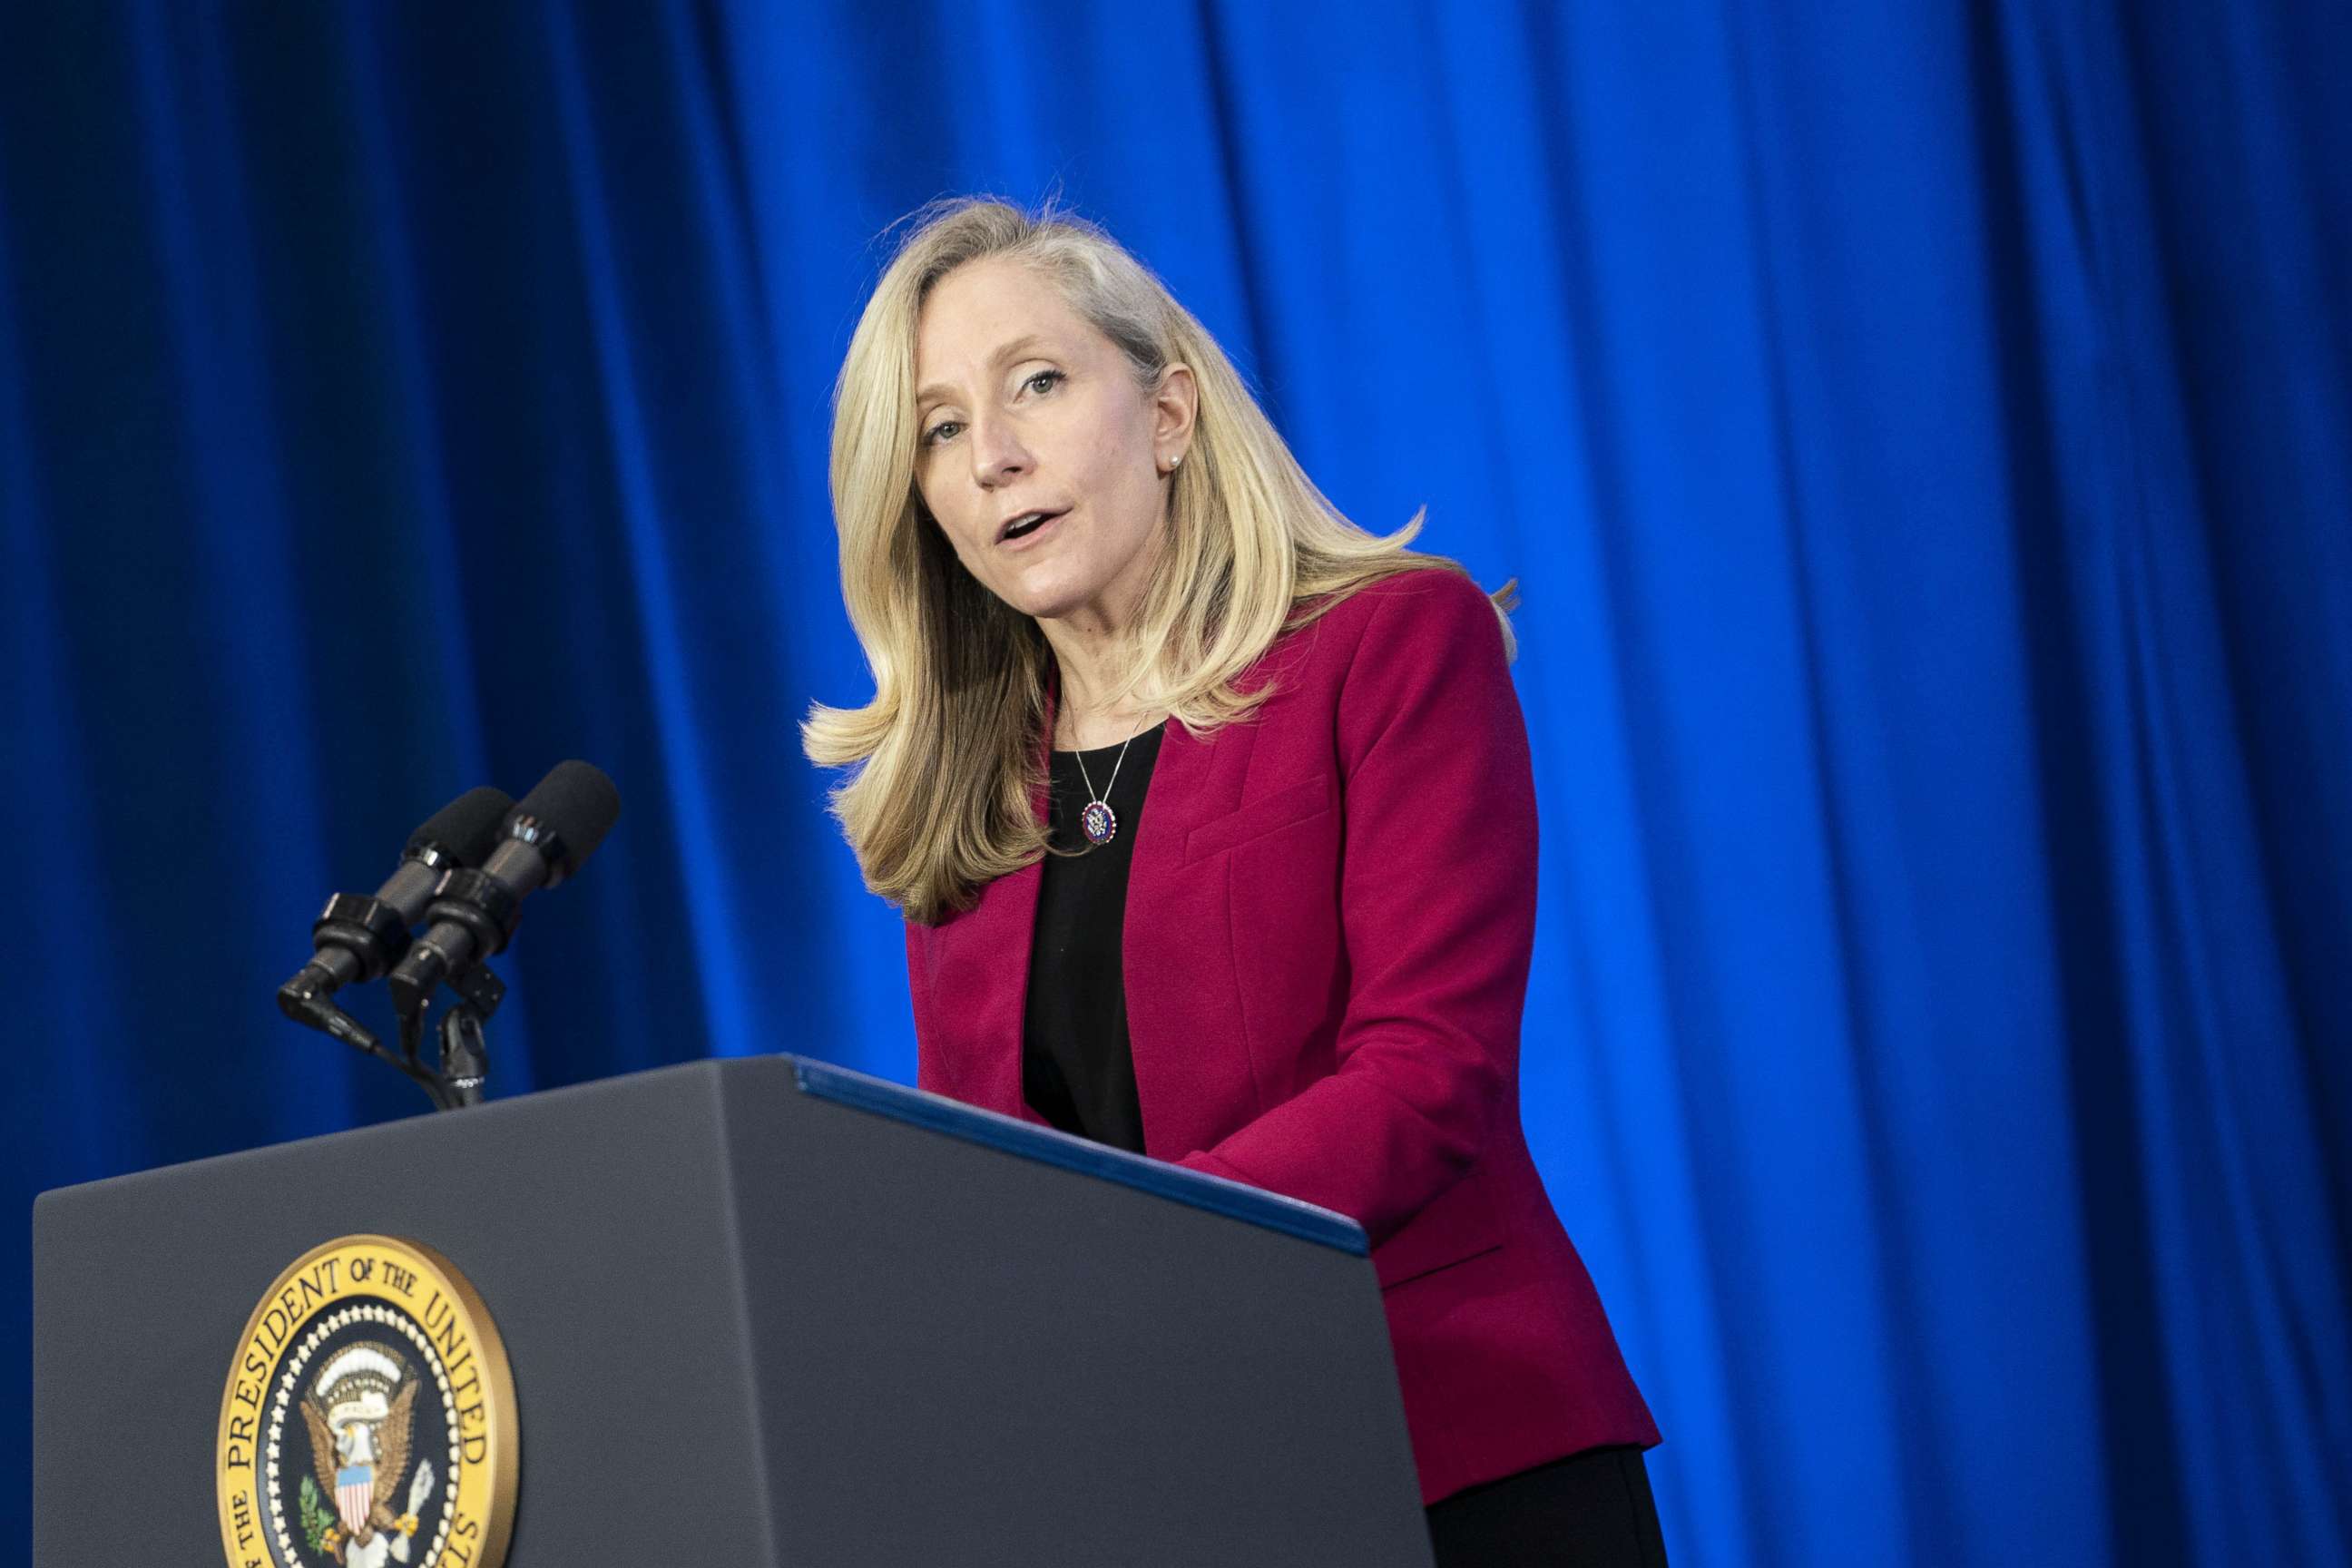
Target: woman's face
[(1022, 407)]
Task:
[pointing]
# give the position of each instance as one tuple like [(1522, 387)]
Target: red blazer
[(1329, 916)]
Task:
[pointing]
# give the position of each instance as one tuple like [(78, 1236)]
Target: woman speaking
[(1213, 823)]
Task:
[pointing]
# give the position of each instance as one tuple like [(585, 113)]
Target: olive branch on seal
[(316, 1519)]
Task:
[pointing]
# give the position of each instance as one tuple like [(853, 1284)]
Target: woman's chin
[(1044, 593)]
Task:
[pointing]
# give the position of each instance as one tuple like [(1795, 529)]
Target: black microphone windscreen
[(578, 804), (467, 827)]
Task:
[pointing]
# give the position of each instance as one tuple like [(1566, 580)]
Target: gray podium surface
[(761, 1311)]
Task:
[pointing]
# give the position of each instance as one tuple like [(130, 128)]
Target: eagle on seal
[(384, 1450)]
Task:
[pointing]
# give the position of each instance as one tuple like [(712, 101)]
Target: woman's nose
[(997, 455)]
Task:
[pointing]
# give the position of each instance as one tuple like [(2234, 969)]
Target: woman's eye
[(1043, 380)]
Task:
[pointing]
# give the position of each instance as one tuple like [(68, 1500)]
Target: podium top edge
[(1195, 1189), (859, 1091)]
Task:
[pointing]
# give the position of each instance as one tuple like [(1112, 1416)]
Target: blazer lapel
[(1183, 1026), (985, 981)]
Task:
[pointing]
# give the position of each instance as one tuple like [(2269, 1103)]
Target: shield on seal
[(355, 1495)]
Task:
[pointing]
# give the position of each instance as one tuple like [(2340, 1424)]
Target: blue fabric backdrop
[(1923, 435)]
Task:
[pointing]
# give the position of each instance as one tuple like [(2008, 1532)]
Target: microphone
[(543, 842), (358, 938)]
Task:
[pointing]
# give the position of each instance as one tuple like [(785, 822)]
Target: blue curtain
[(1922, 434)]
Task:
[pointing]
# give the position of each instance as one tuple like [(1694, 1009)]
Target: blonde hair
[(947, 756)]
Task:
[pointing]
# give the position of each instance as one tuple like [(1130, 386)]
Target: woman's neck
[(1090, 649), (1083, 721)]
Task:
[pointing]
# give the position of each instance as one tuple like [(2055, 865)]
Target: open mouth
[(1027, 524)]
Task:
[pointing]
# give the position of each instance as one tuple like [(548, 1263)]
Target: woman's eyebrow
[(1012, 351)]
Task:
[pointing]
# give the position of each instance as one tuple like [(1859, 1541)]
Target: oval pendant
[(1100, 825)]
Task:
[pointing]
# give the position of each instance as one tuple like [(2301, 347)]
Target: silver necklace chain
[(1104, 798)]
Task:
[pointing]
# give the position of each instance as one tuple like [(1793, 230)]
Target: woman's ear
[(1174, 407)]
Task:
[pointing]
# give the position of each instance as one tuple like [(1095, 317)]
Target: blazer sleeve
[(1437, 911)]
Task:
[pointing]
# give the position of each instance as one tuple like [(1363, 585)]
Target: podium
[(763, 1312)]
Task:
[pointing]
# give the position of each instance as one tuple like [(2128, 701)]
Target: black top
[(1077, 1071)]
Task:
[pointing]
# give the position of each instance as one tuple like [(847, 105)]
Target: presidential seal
[(369, 1417)]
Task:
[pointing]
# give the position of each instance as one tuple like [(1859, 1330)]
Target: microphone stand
[(315, 1012), (464, 1068), (465, 1047)]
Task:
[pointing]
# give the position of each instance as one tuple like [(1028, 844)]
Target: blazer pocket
[(1460, 1224), (1259, 817)]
